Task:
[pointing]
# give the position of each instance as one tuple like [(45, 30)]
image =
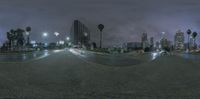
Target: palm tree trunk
[(189, 42), (100, 39), (194, 43)]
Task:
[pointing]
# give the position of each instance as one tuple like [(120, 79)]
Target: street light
[(56, 34), (85, 34), (28, 37), (68, 38), (45, 34), (27, 33), (61, 42), (163, 34), (68, 41)]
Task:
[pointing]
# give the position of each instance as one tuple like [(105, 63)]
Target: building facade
[(145, 42), (179, 40), (134, 45), (152, 42), (157, 46), (192, 44), (79, 34), (164, 43)]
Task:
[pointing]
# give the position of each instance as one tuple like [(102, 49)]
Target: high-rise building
[(191, 43), (164, 43), (179, 40), (80, 34), (157, 45), (134, 45), (145, 42), (151, 42)]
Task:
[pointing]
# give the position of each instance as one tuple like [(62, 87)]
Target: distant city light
[(27, 33), (163, 33), (45, 44), (61, 42), (85, 34), (68, 38), (56, 34), (33, 42), (69, 43)]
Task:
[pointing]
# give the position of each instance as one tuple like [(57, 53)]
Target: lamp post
[(28, 38), (85, 34), (45, 35), (85, 40), (68, 38), (28, 30), (68, 41), (57, 34)]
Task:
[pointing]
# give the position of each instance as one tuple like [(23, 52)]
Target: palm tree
[(194, 35), (12, 37), (20, 37), (28, 29), (189, 33), (9, 39), (15, 36), (101, 27)]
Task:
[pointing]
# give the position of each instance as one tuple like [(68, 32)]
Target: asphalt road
[(66, 75), (115, 60), (190, 56), (20, 57)]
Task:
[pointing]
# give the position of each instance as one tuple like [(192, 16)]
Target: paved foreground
[(68, 76)]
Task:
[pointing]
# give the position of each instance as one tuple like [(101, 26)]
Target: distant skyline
[(124, 20)]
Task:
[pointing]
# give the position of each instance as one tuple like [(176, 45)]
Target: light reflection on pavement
[(190, 56), (21, 57), (113, 60)]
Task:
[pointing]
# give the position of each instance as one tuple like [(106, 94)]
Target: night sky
[(124, 20)]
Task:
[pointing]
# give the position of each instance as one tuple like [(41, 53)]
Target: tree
[(12, 37), (28, 29), (20, 37), (94, 45), (194, 35), (9, 37), (189, 33), (147, 49), (101, 27)]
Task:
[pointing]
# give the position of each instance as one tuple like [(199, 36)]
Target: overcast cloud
[(124, 20)]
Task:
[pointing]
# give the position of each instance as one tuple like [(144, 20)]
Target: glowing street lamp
[(27, 33), (85, 34), (68, 38), (163, 34), (61, 42), (28, 37), (56, 34), (45, 34)]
